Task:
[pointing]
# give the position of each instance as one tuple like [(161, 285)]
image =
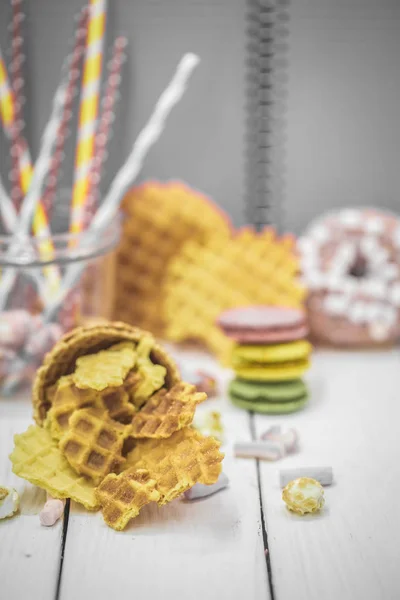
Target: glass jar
[(49, 285)]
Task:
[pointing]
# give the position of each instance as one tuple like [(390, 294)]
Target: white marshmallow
[(350, 285), (396, 237), (374, 287), (336, 304), (390, 272), (394, 294), (374, 225), (350, 218), (320, 233), (357, 312), (315, 279), (369, 245), (307, 246), (373, 311), (379, 257), (378, 331)]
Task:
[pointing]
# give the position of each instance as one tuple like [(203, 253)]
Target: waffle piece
[(167, 411), (37, 459), (122, 496), (247, 268), (178, 462), (93, 443), (159, 219), (69, 398), (106, 368), (88, 340)]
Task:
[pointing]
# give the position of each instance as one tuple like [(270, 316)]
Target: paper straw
[(7, 210), (17, 84), (72, 88), (40, 223), (131, 168), (91, 83), (31, 199), (103, 133)]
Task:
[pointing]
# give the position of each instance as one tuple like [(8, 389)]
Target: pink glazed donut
[(350, 262)]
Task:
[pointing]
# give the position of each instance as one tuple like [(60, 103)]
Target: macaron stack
[(270, 357)]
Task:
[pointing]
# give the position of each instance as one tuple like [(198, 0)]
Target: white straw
[(130, 170), (33, 196), (7, 210)]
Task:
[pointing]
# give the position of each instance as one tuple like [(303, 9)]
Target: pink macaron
[(264, 324)]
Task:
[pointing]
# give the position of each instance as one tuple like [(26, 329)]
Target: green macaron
[(269, 398)]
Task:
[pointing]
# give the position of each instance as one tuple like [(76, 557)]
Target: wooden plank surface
[(350, 551), (29, 553), (211, 548)]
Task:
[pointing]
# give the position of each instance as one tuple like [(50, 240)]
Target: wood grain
[(349, 551), (29, 553)]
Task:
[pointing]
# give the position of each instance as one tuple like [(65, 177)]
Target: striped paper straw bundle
[(91, 84), (17, 84), (105, 124), (73, 77)]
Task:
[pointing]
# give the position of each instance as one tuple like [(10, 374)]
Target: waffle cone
[(84, 340)]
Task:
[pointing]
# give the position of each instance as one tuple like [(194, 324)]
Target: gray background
[(340, 139)]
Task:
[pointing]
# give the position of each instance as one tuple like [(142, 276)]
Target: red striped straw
[(73, 78), (104, 129), (17, 85)]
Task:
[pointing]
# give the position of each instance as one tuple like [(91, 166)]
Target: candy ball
[(304, 495)]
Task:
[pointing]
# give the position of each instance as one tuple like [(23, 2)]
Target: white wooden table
[(216, 548)]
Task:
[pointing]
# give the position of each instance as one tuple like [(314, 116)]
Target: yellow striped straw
[(88, 110), (40, 221)]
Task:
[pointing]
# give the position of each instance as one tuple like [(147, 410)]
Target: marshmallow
[(199, 490), (357, 312), (374, 225), (390, 272), (350, 218), (263, 450), (336, 304), (379, 331), (289, 438), (369, 245), (324, 475), (394, 294), (374, 288), (320, 234), (51, 512), (306, 247)]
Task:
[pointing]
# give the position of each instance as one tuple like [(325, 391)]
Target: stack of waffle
[(159, 219), (114, 425), (228, 272), (269, 357)]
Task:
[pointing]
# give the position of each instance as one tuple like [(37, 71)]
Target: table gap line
[(267, 552), (62, 549)]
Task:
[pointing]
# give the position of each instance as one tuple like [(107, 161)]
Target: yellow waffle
[(167, 411), (248, 268), (37, 459), (106, 368), (178, 462), (159, 219), (89, 340), (93, 443), (122, 496)]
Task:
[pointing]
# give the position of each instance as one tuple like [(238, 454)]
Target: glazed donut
[(350, 262)]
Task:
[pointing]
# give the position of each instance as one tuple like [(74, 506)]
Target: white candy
[(379, 257), (320, 234), (289, 438), (396, 237), (306, 246), (51, 512), (357, 312), (262, 450), (394, 294), (336, 304), (322, 474), (374, 225), (10, 502), (199, 490), (369, 245), (390, 272), (373, 311), (315, 279), (334, 282), (350, 285), (350, 218), (374, 287)]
